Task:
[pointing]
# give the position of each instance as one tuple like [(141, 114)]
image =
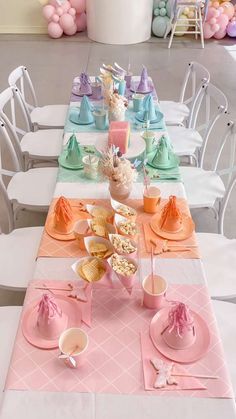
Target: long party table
[(90, 405)]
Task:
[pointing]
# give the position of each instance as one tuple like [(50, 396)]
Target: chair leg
[(201, 27), (196, 26), (173, 29)]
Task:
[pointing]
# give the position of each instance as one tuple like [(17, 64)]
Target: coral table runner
[(50, 247), (114, 360)]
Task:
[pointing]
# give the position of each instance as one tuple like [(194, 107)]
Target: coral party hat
[(171, 217), (63, 216)]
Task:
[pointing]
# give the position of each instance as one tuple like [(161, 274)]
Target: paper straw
[(152, 267)]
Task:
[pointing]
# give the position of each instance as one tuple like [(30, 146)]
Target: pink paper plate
[(184, 356), (29, 320)]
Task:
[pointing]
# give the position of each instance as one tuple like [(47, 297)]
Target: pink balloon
[(55, 18), (65, 6), (217, 13), (210, 13), (212, 21), (72, 11), (221, 9), (48, 11), (59, 11), (79, 5), (207, 30), (71, 30), (66, 21), (220, 34), (53, 3), (81, 22), (223, 20), (54, 30), (216, 27)]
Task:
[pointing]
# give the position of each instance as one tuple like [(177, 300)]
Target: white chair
[(41, 147), (218, 256), (209, 105), (205, 188), (177, 113), (195, 23), (49, 116), (18, 249), (9, 321), (225, 314), (32, 190)]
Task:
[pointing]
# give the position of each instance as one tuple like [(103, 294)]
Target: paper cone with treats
[(125, 269), (171, 223)]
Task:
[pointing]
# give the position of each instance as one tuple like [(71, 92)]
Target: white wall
[(21, 16)]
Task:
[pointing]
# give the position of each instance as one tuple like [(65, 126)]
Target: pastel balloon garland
[(64, 16), (220, 20)]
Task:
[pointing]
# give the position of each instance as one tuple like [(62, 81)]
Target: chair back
[(195, 75), (12, 110), (6, 143), (20, 78), (209, 106)]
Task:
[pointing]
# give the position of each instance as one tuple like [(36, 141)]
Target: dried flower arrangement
[(116, 168)]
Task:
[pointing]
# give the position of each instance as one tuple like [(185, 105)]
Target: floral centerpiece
[(119, 171), (117, 106)]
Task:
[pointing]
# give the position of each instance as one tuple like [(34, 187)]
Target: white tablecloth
[(49, 405)]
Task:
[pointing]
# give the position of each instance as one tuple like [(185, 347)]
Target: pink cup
[(73, 344), (154, 300)]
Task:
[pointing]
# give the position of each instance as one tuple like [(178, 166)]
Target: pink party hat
[(51, 321), (143, 84), (179, 332)]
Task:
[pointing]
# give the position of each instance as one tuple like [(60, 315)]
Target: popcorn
[(123, 245), (126, 211), (122, 266), (128, 228)]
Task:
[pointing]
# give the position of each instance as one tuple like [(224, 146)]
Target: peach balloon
[(66, 21), (71, 30), (228, 9), (216, 4), (54, 30), (79, 5), (48, 11), (81, 22)]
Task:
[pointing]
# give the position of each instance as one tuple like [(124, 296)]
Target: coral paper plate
[(184, 356), (29, 320), (185, 233), (51, 231)]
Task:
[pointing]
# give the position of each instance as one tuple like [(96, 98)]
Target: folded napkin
[(150, 374)]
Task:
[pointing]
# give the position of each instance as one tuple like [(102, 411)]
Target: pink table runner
[(114, 362)]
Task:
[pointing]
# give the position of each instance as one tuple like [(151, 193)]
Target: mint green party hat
[(73, 154), (85, 113)]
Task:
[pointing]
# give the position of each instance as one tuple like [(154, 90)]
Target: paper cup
[(151, 199), (81, 230), (90, 166), (149, 138), (137, 102), (73, 344), (153, 298), (100, 118)]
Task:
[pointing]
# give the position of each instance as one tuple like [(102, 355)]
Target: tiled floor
[(53, 64)]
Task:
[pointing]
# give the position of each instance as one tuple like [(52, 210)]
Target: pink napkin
[(149, 372)]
